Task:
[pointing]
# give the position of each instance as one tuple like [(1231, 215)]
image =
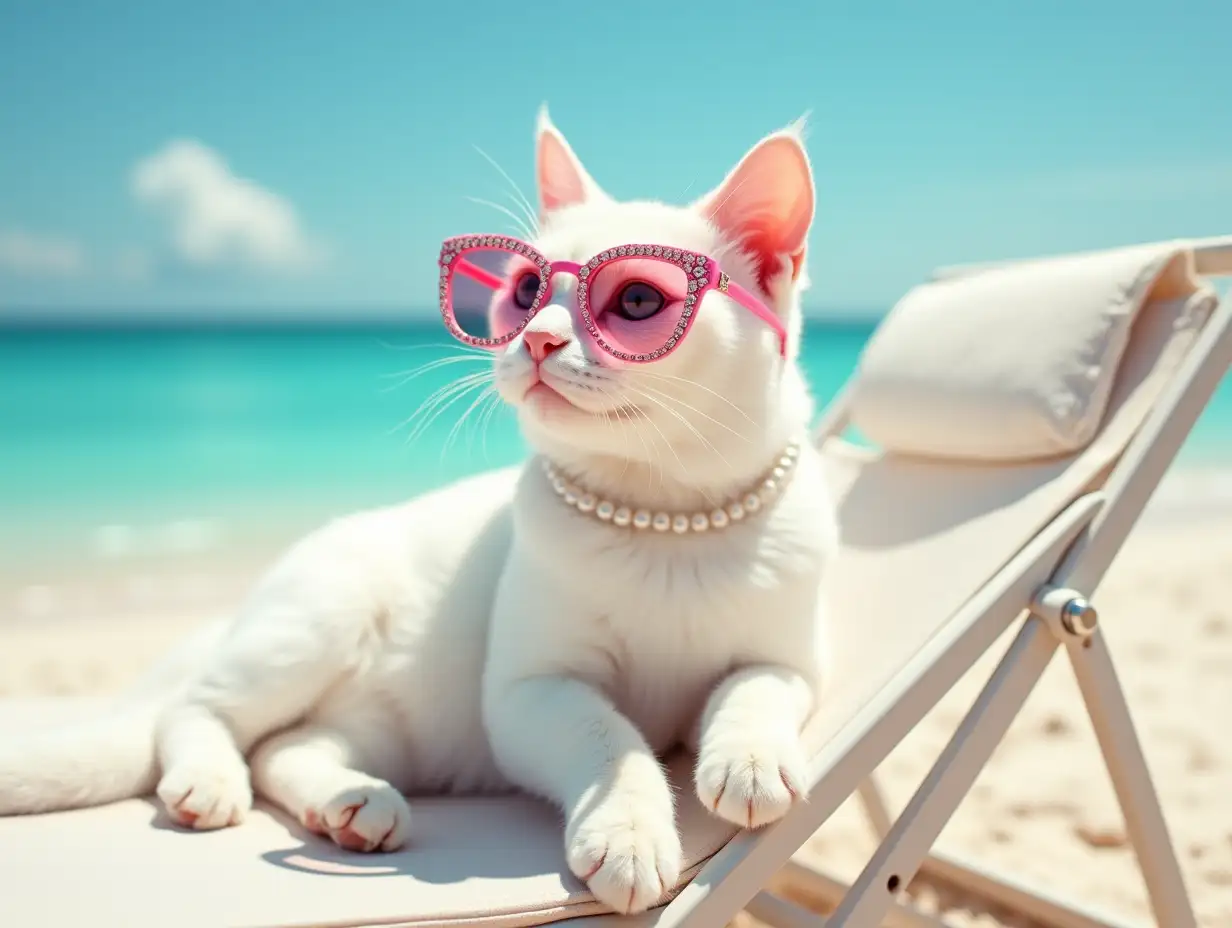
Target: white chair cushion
[(1013, 363)]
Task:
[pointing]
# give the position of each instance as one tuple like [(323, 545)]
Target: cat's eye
[(639, 300), (526, 289)]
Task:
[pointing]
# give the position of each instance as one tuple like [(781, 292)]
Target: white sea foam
[(114, 541), (178, 537)]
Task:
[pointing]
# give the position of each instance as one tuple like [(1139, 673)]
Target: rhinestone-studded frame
[(701, 271), (459, 245)]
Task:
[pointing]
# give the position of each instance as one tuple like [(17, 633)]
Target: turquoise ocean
[(122, 438)]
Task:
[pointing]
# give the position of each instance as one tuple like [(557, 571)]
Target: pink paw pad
[(346, 838), (312, 821), (182, 816)]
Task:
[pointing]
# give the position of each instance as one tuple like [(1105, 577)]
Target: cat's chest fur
[(656, 620)]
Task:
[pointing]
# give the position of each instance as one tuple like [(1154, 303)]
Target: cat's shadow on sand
[(451, 841)]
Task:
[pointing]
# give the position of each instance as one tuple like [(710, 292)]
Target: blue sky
[(160, 156)]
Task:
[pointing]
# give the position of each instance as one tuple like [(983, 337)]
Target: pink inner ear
[(560, 181), (766, 205)]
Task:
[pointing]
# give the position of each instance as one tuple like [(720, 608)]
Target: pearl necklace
[(681, 523)]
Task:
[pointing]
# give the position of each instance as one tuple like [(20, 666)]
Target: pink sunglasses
[(636, 301)]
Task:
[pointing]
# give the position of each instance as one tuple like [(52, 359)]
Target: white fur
[(485, 635)]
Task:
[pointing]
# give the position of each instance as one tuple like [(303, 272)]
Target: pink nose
[(540, 344)]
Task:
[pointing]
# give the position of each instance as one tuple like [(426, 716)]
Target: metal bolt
[(1079, 617)]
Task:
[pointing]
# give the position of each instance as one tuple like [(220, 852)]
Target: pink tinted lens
[(491, 291), (638, 305)]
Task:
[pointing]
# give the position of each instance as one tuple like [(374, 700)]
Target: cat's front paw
[(367, 817), (626, 850), (206, 798), (753, 780)]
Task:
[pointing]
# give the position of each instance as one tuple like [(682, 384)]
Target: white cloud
[(218, 219), (40, 256)]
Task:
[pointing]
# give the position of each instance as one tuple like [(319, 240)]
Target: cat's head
[(731, 389)]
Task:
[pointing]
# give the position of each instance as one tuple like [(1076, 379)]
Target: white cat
[(516, 628)]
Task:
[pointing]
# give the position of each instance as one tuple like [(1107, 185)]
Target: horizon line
[(330, 315)]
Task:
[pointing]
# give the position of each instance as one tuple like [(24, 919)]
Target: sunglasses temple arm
[(478, 274), (758, 309)]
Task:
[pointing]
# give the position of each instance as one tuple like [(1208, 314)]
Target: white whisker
[(485, 420), (421, 346), (439, 400), (653, 454), (723, 425), (455, 430), (650, 451), (532, 225), (688, 425), (607, 419), (532, 219), (706, 443), (723, 202), (439, 409), (519, 224), (672, 378), (408, 375)]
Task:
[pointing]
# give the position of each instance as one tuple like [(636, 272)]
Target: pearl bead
[(680, 524), (587, 502), (661, 522), (571, 496), (641, 518), (622, 517), (718, 518), (752, 502), (605, 511), (736, 511), (700, 522)]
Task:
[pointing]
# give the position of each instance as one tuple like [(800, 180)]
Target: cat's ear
[(765, 205), (561, 179)]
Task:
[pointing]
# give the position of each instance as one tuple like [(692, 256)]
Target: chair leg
[(1131, 778), (909, 841)]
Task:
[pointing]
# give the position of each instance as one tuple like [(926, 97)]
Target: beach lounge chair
[(1019, 417)]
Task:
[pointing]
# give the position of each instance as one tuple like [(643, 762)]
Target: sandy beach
[(1043, 810)]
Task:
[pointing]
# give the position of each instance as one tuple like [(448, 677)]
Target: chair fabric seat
[(491, 861), (940, 530)]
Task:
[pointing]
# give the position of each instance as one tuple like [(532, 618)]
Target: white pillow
[(1012, 363)]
